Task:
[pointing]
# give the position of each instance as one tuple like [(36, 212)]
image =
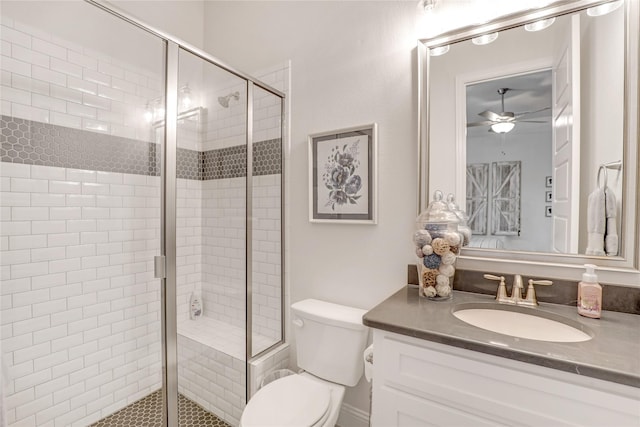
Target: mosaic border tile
[(37, 143)]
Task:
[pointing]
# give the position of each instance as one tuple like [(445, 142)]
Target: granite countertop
[(613, 354)]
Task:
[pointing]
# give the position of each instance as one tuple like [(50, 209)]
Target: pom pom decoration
[(421, 238), (455, 249), (419, 253), (440, 246), (427, 250), (431, 261), (453, 239), (447, 270), (429, 291), (429, 277), (442, 280), (448, 258), (443, 290)]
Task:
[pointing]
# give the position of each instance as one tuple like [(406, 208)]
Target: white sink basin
[(522, 322)]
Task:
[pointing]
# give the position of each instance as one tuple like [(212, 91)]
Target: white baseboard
[(350, 416)]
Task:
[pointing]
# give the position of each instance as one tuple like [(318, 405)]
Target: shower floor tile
[(147, 412)]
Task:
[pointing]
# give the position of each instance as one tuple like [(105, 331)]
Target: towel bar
[(603, 167)]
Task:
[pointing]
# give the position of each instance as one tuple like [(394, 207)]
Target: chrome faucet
[(516, 292)]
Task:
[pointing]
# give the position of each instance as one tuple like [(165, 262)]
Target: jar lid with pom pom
[(437, 216)]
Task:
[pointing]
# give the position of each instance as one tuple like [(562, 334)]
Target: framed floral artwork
[(342, 175)]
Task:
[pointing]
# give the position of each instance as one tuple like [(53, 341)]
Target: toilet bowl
[(300, 400)]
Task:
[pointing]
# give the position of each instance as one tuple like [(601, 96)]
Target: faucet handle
[(531, 299), (501, 295)]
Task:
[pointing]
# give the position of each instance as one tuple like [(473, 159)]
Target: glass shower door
[(211, 242), (266, 211), (81, 216)]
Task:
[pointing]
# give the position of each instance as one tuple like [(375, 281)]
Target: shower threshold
[(147, 412)]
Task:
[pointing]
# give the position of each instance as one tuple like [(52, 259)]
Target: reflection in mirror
[(524, 124), (512, 201)]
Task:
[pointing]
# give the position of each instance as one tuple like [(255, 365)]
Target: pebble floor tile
[(147, 412)]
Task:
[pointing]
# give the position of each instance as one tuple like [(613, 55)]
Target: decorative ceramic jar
[(463, 225), (438, 243)]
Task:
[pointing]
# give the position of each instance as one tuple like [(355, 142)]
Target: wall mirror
[(526, 117)]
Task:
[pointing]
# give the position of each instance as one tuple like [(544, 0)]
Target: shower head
[(224, 100)]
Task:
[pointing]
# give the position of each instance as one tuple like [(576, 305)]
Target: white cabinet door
[(407, 410)]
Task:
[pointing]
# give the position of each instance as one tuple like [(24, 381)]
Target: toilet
[(330, 340)]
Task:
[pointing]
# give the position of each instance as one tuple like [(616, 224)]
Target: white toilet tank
[(330, 339)]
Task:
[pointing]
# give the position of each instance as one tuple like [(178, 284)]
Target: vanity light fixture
[(485, 39), (428, 5), (603, 9), (502, 127), (440, 50), (539, 25)]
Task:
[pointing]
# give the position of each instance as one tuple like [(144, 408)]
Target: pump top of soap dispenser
[(590, 275)]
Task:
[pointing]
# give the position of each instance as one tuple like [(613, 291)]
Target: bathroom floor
[(147, 412)]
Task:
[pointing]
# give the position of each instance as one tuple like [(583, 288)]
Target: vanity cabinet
[(422, 383)]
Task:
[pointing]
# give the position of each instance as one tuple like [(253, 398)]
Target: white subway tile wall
[(267, 278), (80, 306), (55, 81), (212, 379)]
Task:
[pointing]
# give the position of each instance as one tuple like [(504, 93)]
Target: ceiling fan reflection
[(505, 121)]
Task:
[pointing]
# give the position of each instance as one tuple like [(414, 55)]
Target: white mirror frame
[(619, 270)]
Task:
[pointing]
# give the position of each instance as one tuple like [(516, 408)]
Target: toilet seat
[(288, 402)]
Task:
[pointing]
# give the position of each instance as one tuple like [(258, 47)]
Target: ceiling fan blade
[(485, 123), (490, 115), (533, 121), (518, 115)]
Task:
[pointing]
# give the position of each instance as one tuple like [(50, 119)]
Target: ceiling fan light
[(485, 39), (502, 127), (603, 9), (539, 25), (440, 50)]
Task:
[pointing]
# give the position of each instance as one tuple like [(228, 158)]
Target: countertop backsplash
[(615, 298)]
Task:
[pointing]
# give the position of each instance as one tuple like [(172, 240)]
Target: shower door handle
[(159, 267)]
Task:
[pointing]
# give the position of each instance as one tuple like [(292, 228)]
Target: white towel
[(596, 222), (611, 230), (602, 233)]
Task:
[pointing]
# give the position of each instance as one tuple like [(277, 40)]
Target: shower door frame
[(168, 207)]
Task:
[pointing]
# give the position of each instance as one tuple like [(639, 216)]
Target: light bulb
[(440, 50), (485, 39), (603, 9), (185, 97), (148, 114), (539, 25)]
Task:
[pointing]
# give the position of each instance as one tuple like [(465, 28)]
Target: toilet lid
[(287, 402)]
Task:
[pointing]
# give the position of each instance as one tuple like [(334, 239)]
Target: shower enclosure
[(141, 208)]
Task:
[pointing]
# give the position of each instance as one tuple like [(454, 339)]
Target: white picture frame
[(343, 175)]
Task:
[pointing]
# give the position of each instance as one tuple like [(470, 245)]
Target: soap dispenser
[(195, 306), (590, 294)]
